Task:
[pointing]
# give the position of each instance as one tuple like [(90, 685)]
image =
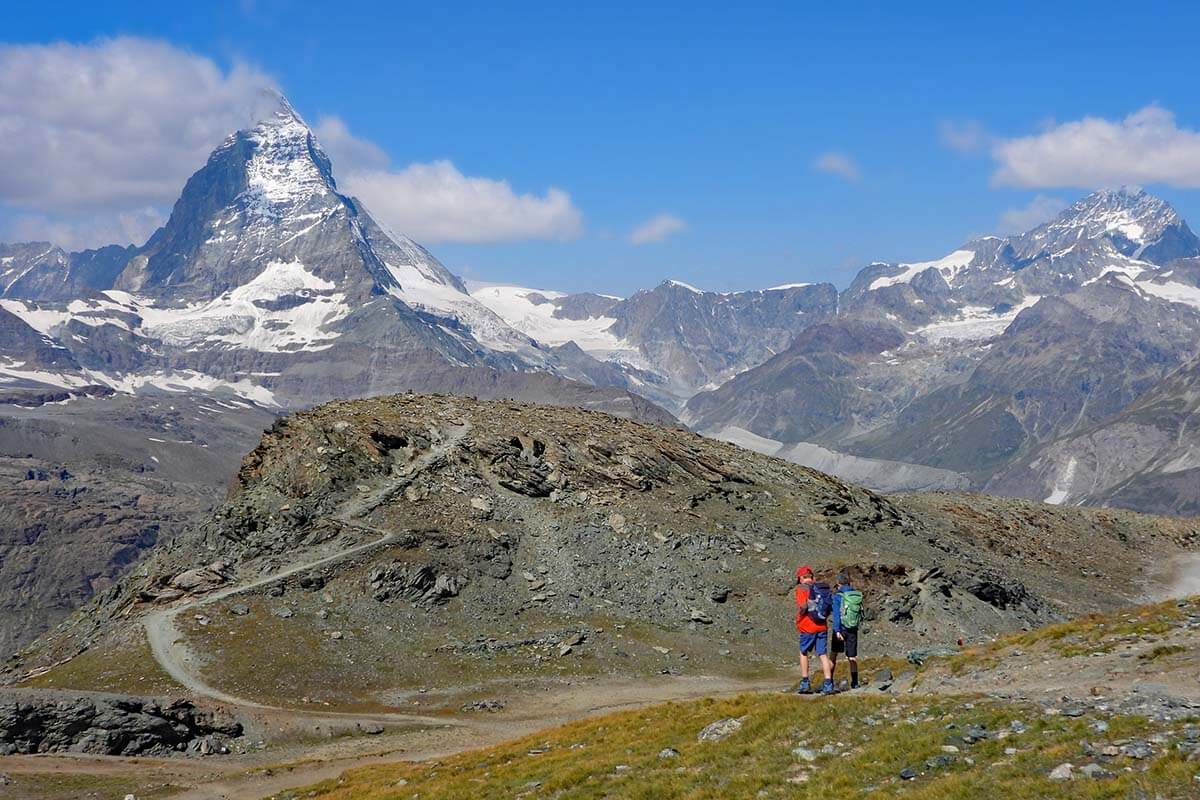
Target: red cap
[(802, 571)]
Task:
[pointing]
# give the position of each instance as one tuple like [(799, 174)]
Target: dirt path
[(166, 642), (174, 657), (260, 775)]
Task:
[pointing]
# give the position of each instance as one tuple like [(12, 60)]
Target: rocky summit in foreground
[(472, 549)]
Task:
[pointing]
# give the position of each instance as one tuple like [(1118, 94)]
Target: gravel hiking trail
[(172, 654)]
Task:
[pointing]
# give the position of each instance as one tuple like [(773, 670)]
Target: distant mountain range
[(986, 363), (1059, 364)]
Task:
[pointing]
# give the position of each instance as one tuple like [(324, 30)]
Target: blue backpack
[(820, 602)]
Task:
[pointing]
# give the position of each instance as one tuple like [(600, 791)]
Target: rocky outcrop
[(33, 721), (422, 585), (696, 338)]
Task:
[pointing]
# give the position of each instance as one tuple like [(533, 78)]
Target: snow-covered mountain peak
[(1136, 223), (288, 166), (278, 110), (1131, 213)]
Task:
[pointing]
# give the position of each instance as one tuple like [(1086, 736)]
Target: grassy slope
[(1091, 635), (124, 666), (872, 738)]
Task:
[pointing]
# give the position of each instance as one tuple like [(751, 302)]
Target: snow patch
[(11, 371), (1173, 291), (974, 323), (537, 320), (186, 381), (949, 266), (1128, 272), (1062, 485), (42, 320), (239, 318)]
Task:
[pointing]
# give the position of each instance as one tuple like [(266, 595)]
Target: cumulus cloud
[(83, 232), (1041, 208), (121, 122), (965, 136), (436, 203), (838, 164), (656, 229), (1146, 146), (97, 140), (348, 152), (93, 134)]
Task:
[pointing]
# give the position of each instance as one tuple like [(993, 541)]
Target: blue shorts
[(818, 642)]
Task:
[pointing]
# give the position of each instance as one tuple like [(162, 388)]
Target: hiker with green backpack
[(847, 614)]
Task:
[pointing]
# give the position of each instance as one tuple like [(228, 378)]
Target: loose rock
[(722, 728)]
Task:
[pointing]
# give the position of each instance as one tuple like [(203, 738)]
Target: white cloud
[(94, 230), (1041, 208), (838, 164), (96, 141), (965, 136), (348, 152), (656, 229), (94, 137), (1145, 147), (436, 203), (119, 123)]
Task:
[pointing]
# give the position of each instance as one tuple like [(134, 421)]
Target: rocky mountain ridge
[(1000, 348)]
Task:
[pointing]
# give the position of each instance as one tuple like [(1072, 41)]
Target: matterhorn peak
[(270, 106)]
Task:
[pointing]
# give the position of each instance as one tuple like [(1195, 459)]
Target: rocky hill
[(266, 289), (1144, 456), (470, 547)]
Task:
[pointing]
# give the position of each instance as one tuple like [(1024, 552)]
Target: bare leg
[(853, 669), (803, 666), (827, 667)]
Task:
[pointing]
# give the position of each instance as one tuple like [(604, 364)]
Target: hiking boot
[(804, 687), (854, 684), (828, 688)]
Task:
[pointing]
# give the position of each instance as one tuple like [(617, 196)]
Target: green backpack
[(851, 608)]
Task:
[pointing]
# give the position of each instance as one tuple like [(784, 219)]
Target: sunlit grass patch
[(852, 745), (123, 665)]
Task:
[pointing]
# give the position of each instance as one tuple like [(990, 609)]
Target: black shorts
[(848, 644)]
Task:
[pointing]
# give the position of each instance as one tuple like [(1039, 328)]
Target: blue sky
[(712, 115)]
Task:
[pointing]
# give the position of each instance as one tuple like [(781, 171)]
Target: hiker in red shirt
[(814, 604)]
